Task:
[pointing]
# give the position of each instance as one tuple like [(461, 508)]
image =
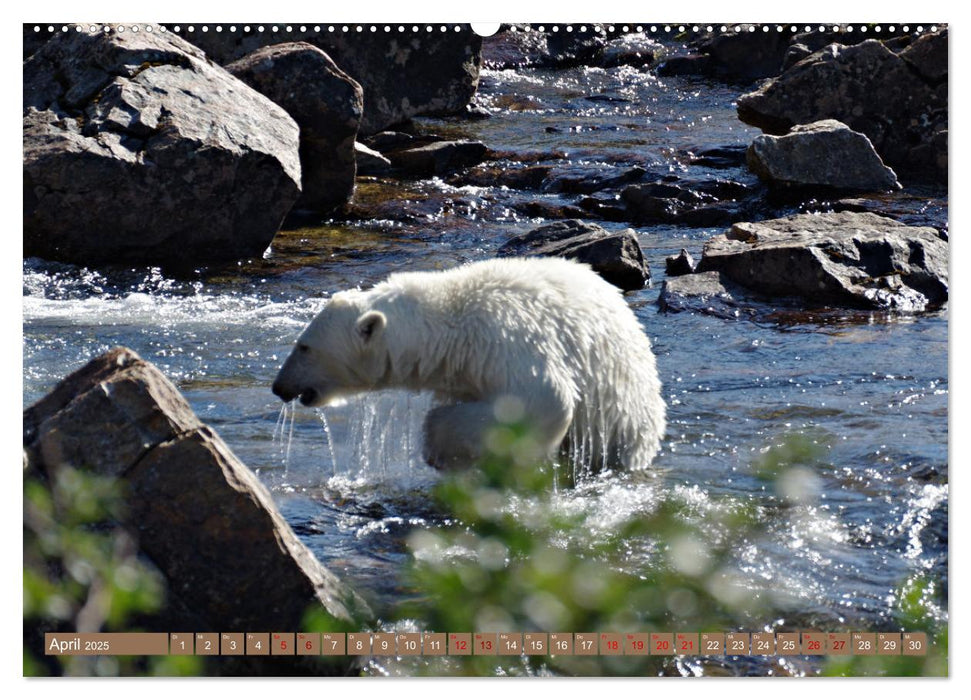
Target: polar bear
[(545, 336)]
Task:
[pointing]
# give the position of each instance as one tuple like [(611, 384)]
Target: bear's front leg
[(455, 435)]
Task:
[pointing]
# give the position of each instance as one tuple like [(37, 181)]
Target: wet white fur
[(548, 331)]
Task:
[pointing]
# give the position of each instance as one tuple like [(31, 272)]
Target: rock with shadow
[(617, 257), (229, 560), (138, 149), (846, 259)]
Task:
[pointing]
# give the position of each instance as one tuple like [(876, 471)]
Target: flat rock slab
[(849, 259), (230, 560), (137, 149), (617, 257), (708, 293), (824, 154)]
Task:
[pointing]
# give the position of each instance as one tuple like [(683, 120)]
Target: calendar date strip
[(804, 643)]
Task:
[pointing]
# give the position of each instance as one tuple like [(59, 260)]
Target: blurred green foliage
[(509, 558), (82, 573)]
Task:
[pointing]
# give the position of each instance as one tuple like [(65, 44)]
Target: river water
[(350, 480)]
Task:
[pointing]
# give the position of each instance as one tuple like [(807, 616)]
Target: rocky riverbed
[(811, 303)]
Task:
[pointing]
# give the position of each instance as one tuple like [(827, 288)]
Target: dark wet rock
[(840, 259), (710, 293), (562, 46), (606, 98), (604, 206), (636, 50), (137, 149), (385, 141), (369, 161), (590, 179), (514, 47), (912, 209), (327, 106), (794, 54), (680, 264), (475, 112), (530, 177), (692, 64), (744, 56), (928, 56), (815, 40), (826, 153), (698, 204), (403, 75), (229, 559), (873, 91), (543, 209), (438, 158), (617, 257), (566, 48), (720, 157)]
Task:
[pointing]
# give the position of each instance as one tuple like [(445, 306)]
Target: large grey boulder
[(138, 149), (403, 74), (229, 559), (327, 105), (849, 259), (826, 153), (617, 257), (899, 101)]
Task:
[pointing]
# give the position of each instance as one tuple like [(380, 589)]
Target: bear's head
[(341, 352)]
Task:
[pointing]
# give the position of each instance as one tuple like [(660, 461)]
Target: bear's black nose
[(283, 392)]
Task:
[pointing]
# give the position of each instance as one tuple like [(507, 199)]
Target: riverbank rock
[(438, 158), (230, 560), (856, 260), (327, 106), (139, 150), (617, 257), (899, 101), (826, 153), (403, 74)]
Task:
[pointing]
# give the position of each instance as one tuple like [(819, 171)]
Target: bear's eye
[(303, 348)]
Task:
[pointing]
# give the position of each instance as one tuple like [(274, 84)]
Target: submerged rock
[(327, 106), (857, 260), (438, 158), (230, 560), (709, 293), (696, 204), (617, 257), (579, 179), (826, 153), (138, 149), (898, 100)]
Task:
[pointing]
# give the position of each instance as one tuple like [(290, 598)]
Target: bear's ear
[(370, 325)]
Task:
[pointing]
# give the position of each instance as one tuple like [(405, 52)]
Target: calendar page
[(548, 349)]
